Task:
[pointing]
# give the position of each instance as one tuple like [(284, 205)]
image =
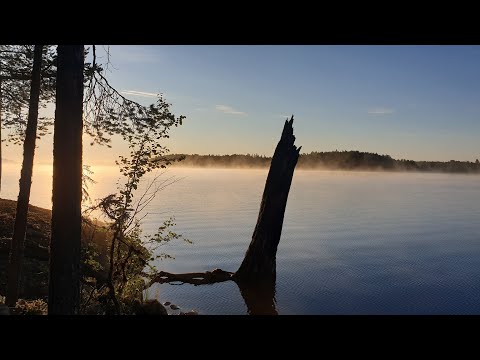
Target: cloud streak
[(139, 93), (137, 54), (381, 111), (229, 110)]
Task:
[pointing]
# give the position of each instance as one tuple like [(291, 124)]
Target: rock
[(151, 307), (191, 312), (174, 307), (167, 303), (181, 313)]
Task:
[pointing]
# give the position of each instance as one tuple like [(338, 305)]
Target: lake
[(352, 242)]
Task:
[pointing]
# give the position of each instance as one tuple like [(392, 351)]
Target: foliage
[(31, 307), (108, 113), (132, 254), (16, 62), (87, 180)]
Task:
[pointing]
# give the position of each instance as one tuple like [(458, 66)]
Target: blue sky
[(414, 102)]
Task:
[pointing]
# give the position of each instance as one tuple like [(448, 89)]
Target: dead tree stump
[(257, 273), (260, 258)]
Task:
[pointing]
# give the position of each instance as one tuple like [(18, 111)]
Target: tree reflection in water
[(259, 296)]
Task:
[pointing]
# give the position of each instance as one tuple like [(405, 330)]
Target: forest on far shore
[(332, 160)]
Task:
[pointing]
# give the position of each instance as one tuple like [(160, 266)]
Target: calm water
[(352, 243)]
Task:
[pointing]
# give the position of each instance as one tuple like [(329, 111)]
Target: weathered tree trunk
[(260, 258), (19, 229), (64, 286)]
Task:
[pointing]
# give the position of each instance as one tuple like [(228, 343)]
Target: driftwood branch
[(208, 277)]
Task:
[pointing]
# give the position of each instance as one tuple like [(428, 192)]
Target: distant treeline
[(333, 160)]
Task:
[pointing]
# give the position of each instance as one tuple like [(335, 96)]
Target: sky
[(412, 102)]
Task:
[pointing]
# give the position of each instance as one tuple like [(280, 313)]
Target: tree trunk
[(19, 229), (260, 258), (64, 285)]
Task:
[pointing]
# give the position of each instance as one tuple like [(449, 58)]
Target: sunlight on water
[(352, 242)]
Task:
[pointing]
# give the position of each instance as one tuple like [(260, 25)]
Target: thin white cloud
[(229, 110), (139, 93), (137, 54), (381, 111)]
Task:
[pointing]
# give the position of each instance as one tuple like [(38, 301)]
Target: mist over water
[(352, 242), (352, 160)]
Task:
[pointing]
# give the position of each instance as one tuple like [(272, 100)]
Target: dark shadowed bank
[(34, 279)]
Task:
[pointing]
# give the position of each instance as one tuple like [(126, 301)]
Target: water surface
[(352, 242)]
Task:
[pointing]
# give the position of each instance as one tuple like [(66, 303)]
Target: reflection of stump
[(260, 257), (259, 297)]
